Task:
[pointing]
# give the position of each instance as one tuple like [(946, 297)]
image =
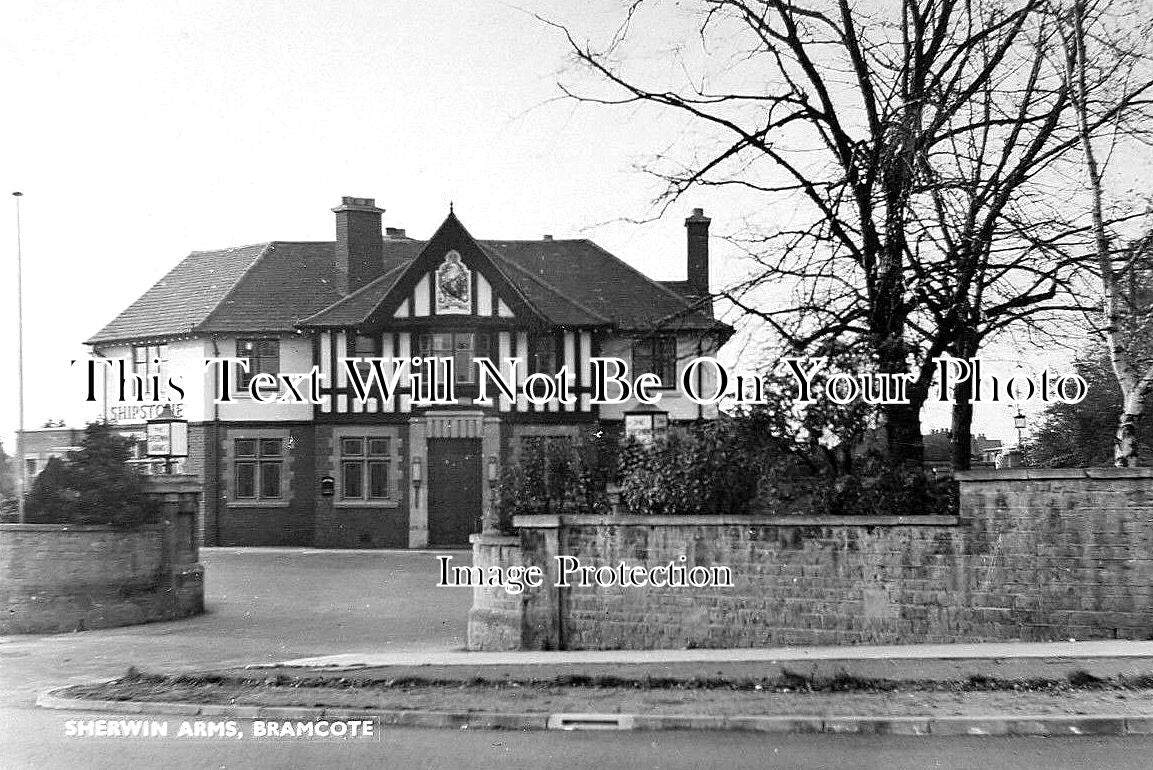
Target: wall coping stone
[(489, 538), (1027, 474), (77, 528), (555, 521)]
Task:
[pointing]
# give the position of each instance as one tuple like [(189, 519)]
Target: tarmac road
[(278, 604)]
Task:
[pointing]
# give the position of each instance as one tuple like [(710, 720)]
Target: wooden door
[(454, 491)]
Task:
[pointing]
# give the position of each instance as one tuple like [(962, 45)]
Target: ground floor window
[(259, 468), (365, 468)]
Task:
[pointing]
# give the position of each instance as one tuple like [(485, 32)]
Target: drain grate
[(590, 722)]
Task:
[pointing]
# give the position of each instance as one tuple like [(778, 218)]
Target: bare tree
[(924, 147), (1126, 313)]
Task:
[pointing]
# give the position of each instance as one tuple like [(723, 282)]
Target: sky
[(141, 131)]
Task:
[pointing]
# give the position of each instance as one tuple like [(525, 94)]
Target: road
[(274, 604)]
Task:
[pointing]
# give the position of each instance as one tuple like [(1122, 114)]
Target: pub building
[(379, 472)]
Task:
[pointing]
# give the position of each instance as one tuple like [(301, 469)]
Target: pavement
[(355, 611), (945, 663)]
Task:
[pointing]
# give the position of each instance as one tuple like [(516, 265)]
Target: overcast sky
[(140, 131)]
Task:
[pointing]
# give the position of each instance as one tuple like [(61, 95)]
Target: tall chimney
[(697, 227), (359, 243)]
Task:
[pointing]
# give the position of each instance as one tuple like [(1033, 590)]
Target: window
[(259, 468), (30, 468), (365, 468), (461, 347), (542, 354), (263, 356), (656, 355), (647, 427), (147, 360), (365, 346)]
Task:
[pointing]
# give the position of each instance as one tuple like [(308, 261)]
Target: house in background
[(983, 451), (378, 471), (36, 446)]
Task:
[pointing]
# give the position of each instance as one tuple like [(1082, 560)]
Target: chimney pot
[(359, 249), (697, 231), (547, 237), (395, 232)]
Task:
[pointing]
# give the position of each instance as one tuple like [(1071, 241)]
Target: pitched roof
[(291, 279), (353, 309), (603, 283), (282, 285), (262, 287), (184, 297), (598, 289)]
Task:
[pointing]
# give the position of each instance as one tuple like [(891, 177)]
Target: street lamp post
[(1019, 423), (20, 362)]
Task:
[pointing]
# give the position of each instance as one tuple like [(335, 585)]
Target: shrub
[(557, 475), (94, 485), (716, 466), (876, 486), (743, 464)]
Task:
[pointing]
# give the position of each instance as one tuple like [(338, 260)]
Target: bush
[(736, 464), (876, 486), (555, 476), (715, 467), (94, 485), (743, 464)]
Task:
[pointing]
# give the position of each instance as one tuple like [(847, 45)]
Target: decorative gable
[(454, 276)]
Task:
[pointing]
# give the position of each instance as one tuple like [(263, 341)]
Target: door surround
[(448, 424)]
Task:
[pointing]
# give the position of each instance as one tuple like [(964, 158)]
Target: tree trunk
[(1125, 453), (1125, 450), (962, 428), (903, 433)]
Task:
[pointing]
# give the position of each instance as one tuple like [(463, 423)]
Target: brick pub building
[(376, 472)]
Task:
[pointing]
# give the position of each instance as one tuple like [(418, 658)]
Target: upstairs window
[(148, 360), (656, 355), (259, 468), (365, 468), (365, 346), (542, 357), (263, 357), (461, 347)]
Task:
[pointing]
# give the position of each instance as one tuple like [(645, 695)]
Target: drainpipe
[(215, 455)]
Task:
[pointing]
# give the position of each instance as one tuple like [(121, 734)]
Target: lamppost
[(1019, 423), (20, 361), (167, 437)]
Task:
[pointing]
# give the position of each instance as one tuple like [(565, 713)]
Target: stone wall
[(1034, 555), (60, 577)]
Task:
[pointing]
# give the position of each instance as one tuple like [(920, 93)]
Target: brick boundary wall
[(60, 577), (1035, 554)]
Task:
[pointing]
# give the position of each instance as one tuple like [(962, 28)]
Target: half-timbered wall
[(574, 350)]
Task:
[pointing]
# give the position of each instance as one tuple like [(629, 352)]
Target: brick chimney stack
[(697, 227), (359, 243)]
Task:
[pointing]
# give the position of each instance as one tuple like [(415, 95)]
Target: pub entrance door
[(454, 493)]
